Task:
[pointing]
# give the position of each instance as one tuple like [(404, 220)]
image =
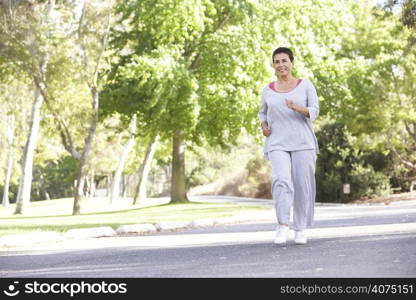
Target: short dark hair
[(283, 50)]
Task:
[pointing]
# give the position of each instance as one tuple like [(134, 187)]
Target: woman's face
[(282, 64)]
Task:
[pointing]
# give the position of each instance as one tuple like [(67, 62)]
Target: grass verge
[(56, 215)]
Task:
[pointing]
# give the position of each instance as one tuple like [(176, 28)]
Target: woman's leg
[(303, 174), (282, 187)]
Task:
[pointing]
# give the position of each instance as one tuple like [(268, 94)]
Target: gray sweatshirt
[(290, 130)]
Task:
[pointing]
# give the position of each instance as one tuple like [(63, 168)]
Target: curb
[(93, 232), (143, 228), (136, 228)]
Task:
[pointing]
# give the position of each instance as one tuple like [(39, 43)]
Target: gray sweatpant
[(293, 182)]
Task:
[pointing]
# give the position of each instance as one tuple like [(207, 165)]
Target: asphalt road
[(346, 241)]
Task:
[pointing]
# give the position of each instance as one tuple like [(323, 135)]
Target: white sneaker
[(281, 234), (300, 237)]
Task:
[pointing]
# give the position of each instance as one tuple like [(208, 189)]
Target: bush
[(341, 161), (257, 183), (366, 182), (54, 178)]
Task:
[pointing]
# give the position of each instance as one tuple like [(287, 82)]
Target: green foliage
[(155, 87), (188, 65), (199, 66), (54, 177), (366, 182), (363, 85), (368, 87), (341, 161)]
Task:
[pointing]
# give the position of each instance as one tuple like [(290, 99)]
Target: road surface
[(346, 241)]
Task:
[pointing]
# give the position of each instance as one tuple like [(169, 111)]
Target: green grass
[(56, 215)]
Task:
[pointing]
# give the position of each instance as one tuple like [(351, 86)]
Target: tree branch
[(198, 57), (104, 42), (80, 36), (402, 160), (64, 132), (409, 130)]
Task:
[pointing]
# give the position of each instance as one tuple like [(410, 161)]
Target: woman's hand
[(290, 104), (297, 108), (265, 128), (266, 131)]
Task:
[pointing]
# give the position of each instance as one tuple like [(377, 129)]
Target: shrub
[(341, 161)]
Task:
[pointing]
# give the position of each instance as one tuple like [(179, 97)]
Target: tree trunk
[(78, 193), (10, 159), (178, 186), (8, 174), (25, 183), (92, 84), (115, 188), (82, 169), (91, 184), (141, 190)]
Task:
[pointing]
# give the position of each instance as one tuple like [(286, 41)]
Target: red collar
[(271, 85)]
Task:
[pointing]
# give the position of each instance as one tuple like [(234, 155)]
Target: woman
[(288, 107)]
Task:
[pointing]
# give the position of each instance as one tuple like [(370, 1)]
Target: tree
[(10, 158), (115, 187), (93, 26), (405, 78), (381, 77), (15, 89), (191, 70), (40, 39), (90, 70), (26, 38), (407, 14), (143, 173)]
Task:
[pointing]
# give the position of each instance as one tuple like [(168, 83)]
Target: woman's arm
[(311, 110), (263, 116), (312, 101), (297, 108)]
